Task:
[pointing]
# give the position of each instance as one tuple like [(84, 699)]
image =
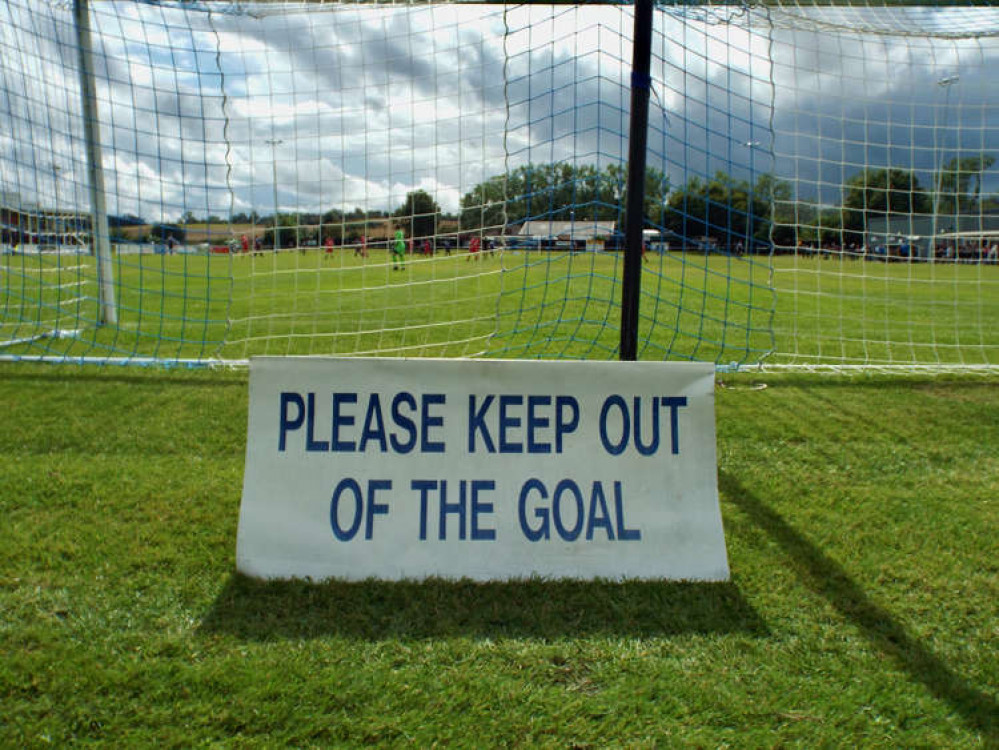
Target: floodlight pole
[(945, 83), (108, 311), (641, 82), (274, 143), (56, 169)]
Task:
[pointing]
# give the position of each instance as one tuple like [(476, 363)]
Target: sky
[(220, 108)]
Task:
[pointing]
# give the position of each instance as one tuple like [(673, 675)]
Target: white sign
[(410, 468)]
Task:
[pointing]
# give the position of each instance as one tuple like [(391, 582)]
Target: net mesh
[(450, 180)]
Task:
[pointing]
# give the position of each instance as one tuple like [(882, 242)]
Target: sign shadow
[(252, 609), (828, 579)]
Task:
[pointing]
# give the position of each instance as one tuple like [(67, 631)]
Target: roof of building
[(573, 230)]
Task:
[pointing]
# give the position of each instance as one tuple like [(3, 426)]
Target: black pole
[(641, 81)]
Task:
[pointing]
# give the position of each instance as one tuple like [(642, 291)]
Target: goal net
[(200, 182)]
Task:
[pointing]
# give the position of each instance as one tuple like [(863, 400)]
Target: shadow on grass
[(825, 577), (260, 610)]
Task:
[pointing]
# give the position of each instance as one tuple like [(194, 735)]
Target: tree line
[(723, 207), (727, 209)]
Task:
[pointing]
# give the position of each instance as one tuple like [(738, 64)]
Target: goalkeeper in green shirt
[(398, 250)]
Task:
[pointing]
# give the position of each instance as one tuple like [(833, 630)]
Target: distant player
[(398, 251), (361, 247), (474, 246), (244, 243), (329, 245), (428, 249)]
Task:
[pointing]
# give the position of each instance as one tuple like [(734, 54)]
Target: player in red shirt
[(362, 247)]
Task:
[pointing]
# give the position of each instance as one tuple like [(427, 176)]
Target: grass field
[(787, 309), (860, 516), (863, 610)]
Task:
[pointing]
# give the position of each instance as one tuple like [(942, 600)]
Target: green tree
[(878, 192), (418, 215), (728, 210), (483, 206), (288, 231), (959, 183), (991, 203), (655, 205), (559, 192), (785, 214), (333, 216)]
